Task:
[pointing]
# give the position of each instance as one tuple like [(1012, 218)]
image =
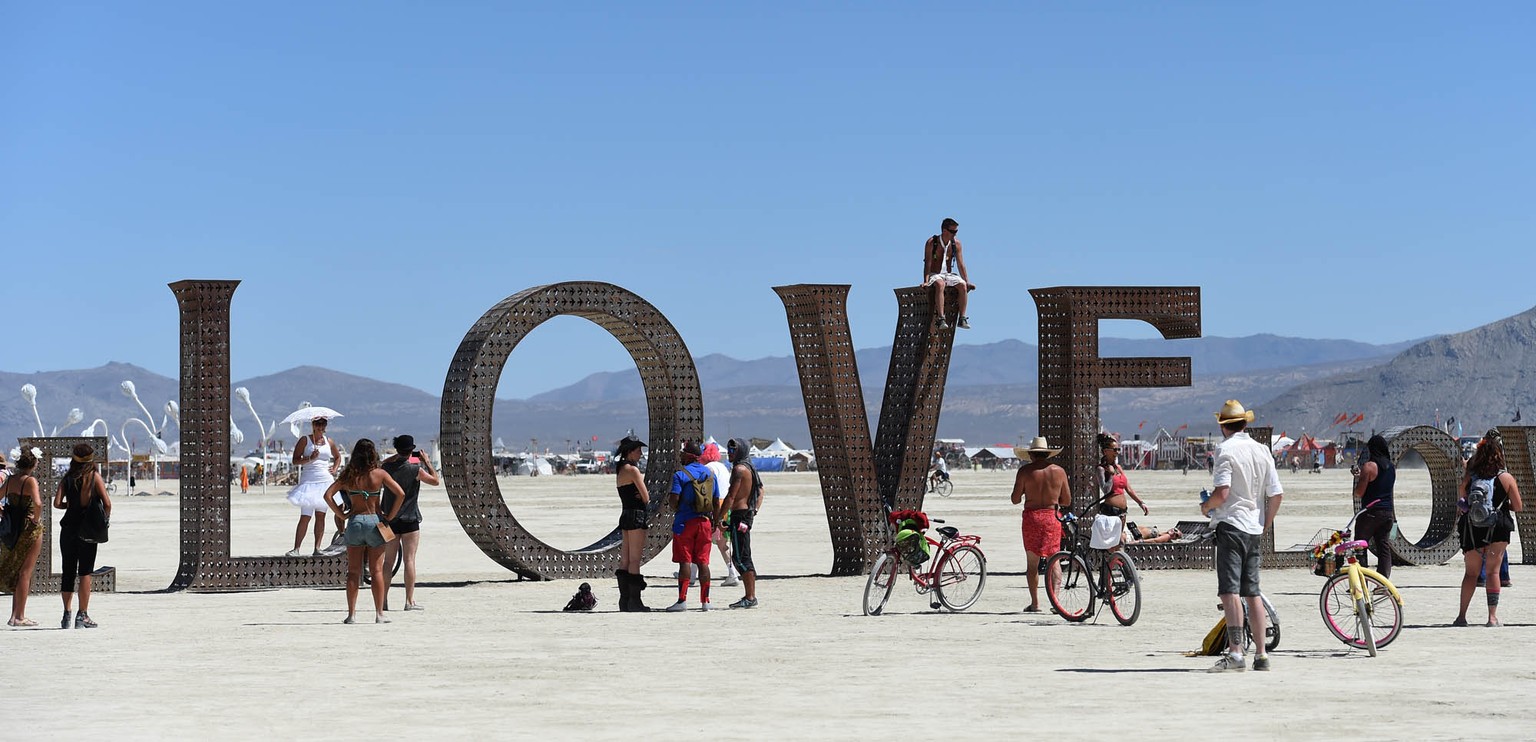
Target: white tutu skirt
[(309, 494)]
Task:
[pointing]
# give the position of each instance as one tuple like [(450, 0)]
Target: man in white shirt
[(1244, 498)]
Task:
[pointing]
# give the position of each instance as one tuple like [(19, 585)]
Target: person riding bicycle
[(940, 471)]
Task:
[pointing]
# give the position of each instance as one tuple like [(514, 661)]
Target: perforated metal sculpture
[(206, 563), (859, 481), (1072, 373), (673, 402)]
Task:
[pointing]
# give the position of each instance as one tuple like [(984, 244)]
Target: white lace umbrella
[(308, 414)]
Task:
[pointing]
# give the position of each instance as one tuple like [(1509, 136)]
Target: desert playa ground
[(494, 656)]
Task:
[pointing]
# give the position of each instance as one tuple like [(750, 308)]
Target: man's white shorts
[(948, 279)]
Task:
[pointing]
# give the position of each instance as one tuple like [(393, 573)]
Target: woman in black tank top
[(1373, 490), (633, 521), (81, 485)]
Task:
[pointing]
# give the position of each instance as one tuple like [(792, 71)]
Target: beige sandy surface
[(493, 656)]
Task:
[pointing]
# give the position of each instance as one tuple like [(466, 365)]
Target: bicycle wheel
[(877, 589), (1069, 586), (1349, 622), (1124, 588), (962, 573), (944, 487)]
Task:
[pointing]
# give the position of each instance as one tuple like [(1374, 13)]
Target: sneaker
[(1229, 663), (296, 552), (678, 607), (332, 550), (1261, 663), (83, 621), (68, 619), (964, 323), (348, 620), (379, 618), (942, 325), (414, 607), (705, 607), (730, 582), (745, 603)]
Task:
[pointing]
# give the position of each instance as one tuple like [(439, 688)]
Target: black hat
[(691, 448), (404, 444), (629, 444)]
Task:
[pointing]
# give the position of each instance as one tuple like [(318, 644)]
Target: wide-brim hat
[(1232, 412), (1038, 445)]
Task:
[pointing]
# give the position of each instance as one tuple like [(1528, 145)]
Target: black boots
[(630, 586)]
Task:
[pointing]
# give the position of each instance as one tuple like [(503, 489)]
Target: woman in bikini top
[(1113, 479), (364, 482)]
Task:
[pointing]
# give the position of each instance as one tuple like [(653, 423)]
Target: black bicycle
[(1077, 577)]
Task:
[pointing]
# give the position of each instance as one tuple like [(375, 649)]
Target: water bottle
[(1204, 495)]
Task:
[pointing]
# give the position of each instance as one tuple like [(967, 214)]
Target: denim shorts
[(1237, 561), (363, 530)]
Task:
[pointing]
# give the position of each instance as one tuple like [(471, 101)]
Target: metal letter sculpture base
[(44, 579), (206, 564), (859, 481), (673, 402)]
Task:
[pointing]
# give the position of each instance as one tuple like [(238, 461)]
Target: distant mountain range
[(991, 395)]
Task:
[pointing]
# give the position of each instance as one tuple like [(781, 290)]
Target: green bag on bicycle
[(912, 545)]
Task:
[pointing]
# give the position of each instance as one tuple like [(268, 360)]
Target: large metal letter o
[(672, 399), (1443, 455)]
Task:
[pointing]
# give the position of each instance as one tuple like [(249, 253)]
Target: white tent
[(777, 449), (534, 464), (1281, 443)]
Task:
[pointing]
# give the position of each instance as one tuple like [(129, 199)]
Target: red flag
[(594, 439), (1282, 434), (1358, 419), (1181, 427), (1142, 425), (1341, 418)]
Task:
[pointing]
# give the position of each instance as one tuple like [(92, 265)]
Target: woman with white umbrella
[(318, 458)]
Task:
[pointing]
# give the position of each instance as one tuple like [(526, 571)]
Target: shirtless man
[(741, 503), (941, 261), (1042, 487)]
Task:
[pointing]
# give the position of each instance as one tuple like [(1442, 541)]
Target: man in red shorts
[(1041, 486), (691, 530)]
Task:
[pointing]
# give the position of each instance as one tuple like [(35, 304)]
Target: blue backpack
[(1480, 510)]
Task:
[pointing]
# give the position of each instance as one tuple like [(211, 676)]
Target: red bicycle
[(953, 568)]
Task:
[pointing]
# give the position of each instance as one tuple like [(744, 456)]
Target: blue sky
[(380, 174)]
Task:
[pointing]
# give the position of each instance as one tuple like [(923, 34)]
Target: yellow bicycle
[(1361, 608)]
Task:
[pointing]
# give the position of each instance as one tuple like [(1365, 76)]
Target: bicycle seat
[(949, 532)]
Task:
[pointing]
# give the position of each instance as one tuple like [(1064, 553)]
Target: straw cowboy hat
[(1038, 445), (1232, 412)]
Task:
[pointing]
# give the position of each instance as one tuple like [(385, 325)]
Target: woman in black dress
[(1486, 545), (633, 521)]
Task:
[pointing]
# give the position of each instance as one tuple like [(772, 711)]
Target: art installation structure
[(859, 482), (1072, 373), (44, 579), (673, 403), (1520, 459), (206, 564)]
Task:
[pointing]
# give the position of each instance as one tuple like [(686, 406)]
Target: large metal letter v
[(859, 481)]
